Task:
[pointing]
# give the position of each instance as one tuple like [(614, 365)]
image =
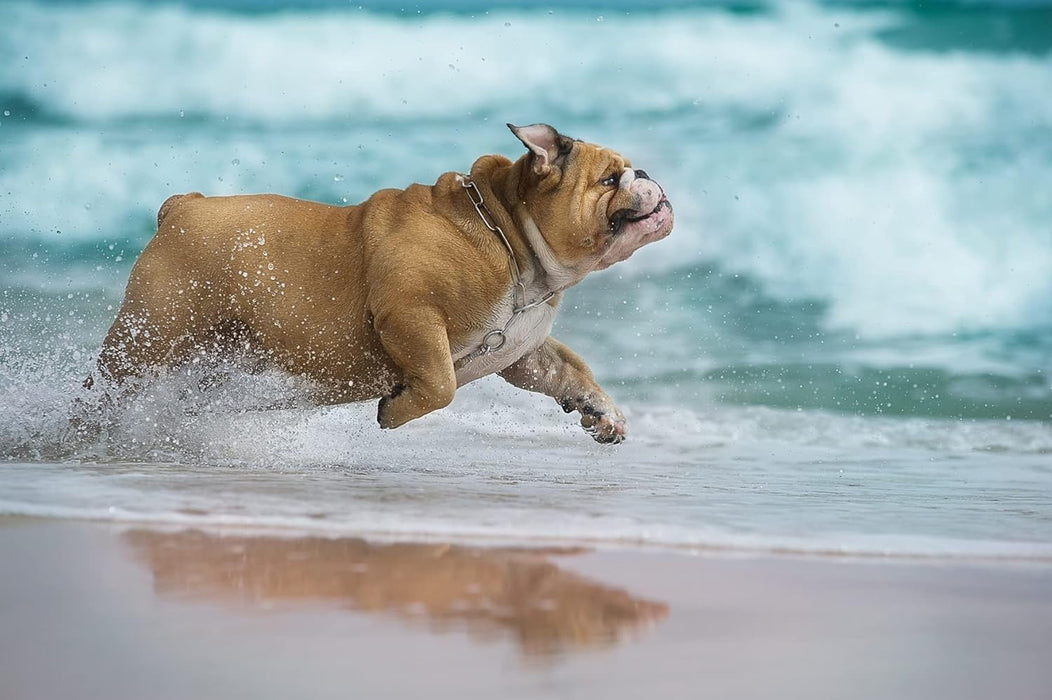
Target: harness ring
[(488, 346)]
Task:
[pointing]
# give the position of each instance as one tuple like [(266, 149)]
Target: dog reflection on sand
[(485, 590)]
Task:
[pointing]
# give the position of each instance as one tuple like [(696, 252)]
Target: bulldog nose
[(642, 175)]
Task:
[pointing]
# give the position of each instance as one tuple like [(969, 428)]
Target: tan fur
[(368, 300)]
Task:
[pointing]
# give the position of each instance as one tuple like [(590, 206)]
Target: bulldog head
[(592, 207)]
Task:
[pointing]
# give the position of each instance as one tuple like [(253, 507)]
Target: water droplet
[(7, 113), (236, 161), (337, 178)]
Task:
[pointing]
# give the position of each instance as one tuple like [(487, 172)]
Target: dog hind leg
[(162, 321)]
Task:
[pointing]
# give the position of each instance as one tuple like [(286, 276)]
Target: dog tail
[(171, 202)]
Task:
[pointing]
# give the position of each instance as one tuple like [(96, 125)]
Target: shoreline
[(125, 611), (819, 552)]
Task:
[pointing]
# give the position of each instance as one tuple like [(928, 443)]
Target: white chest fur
[(525, 332)]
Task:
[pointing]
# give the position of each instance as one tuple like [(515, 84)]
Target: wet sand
[(102, 611)]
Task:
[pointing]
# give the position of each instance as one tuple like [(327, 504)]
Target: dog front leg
[(557, 371), (419, 346)]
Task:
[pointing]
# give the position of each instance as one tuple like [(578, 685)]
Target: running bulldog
[(404, 297)]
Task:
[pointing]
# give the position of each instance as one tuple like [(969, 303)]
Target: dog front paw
[(384, 414), (606, 428)]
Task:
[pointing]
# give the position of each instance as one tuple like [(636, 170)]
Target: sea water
[(845, 345)]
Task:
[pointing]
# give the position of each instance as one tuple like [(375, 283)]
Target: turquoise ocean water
[(844, 346)]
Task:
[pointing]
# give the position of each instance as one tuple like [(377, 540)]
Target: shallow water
[(844, 346)]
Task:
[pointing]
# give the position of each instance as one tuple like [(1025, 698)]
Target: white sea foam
[(198, 448), (602, 533), (226, 416)]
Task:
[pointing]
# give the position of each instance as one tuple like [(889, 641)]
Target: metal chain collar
[(495, 339)]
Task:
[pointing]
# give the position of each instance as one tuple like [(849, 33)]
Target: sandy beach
[(103, 611)]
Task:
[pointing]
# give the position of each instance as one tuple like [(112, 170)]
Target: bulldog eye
[(610, 180)]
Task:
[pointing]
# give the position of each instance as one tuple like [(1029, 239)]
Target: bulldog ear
[(545, 143)]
